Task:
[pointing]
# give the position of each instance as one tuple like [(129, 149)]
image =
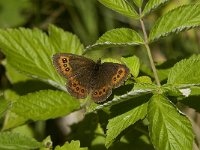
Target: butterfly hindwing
[(110, 75), (77, 88), (101, 89), (119, 74)]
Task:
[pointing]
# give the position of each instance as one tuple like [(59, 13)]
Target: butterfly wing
[(69, 65), (77, 69), (109, 75)]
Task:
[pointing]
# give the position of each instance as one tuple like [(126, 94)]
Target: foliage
[(14, 17), (73, 145), (144, 107), (16, 141)]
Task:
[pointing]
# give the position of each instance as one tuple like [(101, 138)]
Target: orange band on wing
[(119, 76), (76, 89), (64, 66)]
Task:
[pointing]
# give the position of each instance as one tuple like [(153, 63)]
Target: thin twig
[(149, 51)]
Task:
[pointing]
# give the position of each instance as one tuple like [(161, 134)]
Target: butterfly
[(88, 77)]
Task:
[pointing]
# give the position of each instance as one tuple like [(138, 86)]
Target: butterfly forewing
[(69, 64)]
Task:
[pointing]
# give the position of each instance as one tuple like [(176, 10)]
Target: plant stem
[(149, 51)]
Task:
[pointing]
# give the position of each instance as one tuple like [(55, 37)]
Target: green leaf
[(163, 68), (182, 89), (44, 104), (48, 144), (119, 123), (121, 6), (186, 71), (146, 70), (4, 105), (168, 128), (10, 95), (13, 75), (27, 130), (99, 138), (111, 60), (133, 63), (151, 5), (13, 120), (138, 3), (163, 73), (138, 90), (194, 91), (181, 18), (117, 37), (143, 79), (16, 141), (171, 90), (73, 145), (31, 51), (64, 41)]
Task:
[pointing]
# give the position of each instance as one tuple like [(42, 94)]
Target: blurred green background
[(89, 19)]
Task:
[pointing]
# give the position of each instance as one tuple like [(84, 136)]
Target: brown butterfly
[(86, 76)]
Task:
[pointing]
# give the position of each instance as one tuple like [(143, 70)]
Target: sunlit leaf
[(138, 3), (138, 90), (168, 128), (186, 71), (31, 51), (117, 37), (120, 6), (16, 141), (119, 123), (73, 145), (179, 19), (133, 64), (152, 4), (4, 105), (44, 104)]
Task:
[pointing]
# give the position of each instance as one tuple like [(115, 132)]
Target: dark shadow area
[(29, 86), (129, 104)]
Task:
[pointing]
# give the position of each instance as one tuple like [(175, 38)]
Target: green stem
[(149, 51)]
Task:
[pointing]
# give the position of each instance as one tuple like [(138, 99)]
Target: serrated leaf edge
[(122, 98)]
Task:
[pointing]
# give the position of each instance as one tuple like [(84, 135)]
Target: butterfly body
[(88, 77)]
